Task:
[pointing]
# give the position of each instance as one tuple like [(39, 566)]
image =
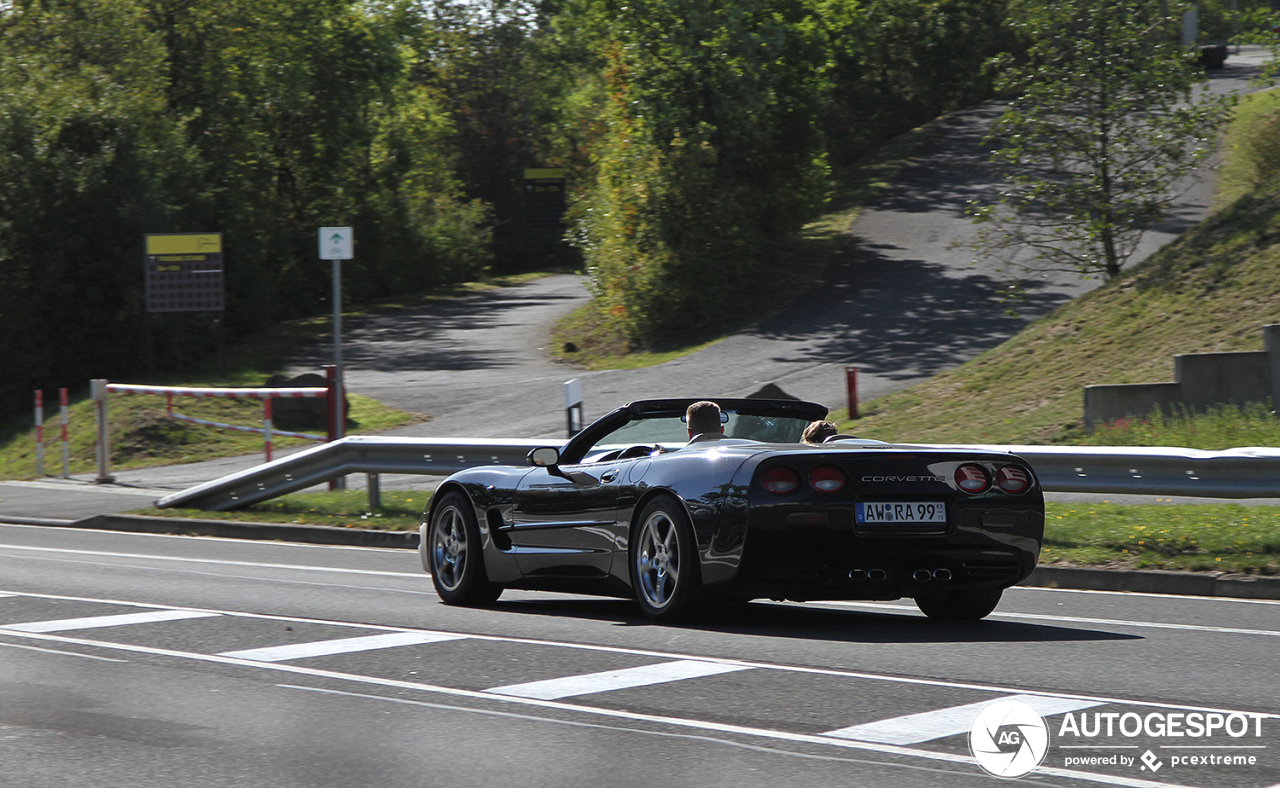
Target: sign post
[(337, 244)]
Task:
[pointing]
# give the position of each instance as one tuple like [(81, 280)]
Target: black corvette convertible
[(631, 507)]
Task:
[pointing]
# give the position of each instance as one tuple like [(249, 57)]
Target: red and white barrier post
[(39, 433), (66, 447), (851, 386)]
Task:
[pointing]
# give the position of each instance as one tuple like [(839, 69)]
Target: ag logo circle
[(1008, 738)]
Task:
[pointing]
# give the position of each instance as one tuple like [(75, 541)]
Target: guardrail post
[(39, 432), (573, 406), (98, 390), (266, 428), (335, 417), (375, 491), (66, 447)]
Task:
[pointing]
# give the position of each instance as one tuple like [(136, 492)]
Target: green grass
[(597, 344), (1241, 172), (401, 510), (1221, 537)]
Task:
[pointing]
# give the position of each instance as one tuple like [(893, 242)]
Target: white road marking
[(1112, 622), (610, 680), (97, 622), (788, 736), (324, 648), (930, 725), (666, 655), (217, 561), (61, 653)]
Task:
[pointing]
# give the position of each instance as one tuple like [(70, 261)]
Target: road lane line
[(181, 559), (324, 648), (720, 727), (609, 680), (667, 655), (96, 622), (912, 610), (930, 725), (61, 653), (514, 715)]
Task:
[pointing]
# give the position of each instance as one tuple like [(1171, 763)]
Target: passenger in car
[(818, 431), (703, 421)]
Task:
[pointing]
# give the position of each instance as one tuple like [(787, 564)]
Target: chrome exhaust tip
[(858, 575), (942, 574), (876, 575), (922, 575)]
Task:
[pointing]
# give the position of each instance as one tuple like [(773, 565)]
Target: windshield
[(670, 432)]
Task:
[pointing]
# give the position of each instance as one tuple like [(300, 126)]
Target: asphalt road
[(908, 303), (239, 663)]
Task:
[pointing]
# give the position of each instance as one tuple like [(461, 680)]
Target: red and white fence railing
[(100, 389), (66, 451)]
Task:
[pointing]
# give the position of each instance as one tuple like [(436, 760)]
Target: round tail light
[(1012, 480), (827, 478), (972, 479), (780, 480)]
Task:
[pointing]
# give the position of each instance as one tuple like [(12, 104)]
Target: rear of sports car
[(930, 524)]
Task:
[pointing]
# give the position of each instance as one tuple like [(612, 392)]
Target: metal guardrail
[(1235, 473), (1252, 472), (360, 454)]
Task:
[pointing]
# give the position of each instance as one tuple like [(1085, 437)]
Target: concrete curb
[(234, 529), (1156, 582), (1076, 578)]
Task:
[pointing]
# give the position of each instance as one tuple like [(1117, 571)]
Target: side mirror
[(545, 457)]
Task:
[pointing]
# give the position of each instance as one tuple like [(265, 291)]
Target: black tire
[(961, 605), (663, 557), (455, 554)]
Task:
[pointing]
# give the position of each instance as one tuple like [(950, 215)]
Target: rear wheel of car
[(960, 605), (664, 562), (455, 554)]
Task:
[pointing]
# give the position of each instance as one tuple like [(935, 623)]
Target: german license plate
[(902, 512)]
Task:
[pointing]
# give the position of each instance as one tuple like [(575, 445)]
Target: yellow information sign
[(185, 243), (184, 272)]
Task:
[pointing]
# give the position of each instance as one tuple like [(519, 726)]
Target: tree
[(1106, 121), (709, 154)]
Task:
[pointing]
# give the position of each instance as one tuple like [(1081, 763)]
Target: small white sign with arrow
[(336, 243)]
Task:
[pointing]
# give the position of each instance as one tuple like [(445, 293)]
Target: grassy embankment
[(142, 435)]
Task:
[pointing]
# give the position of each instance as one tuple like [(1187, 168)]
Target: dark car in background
[(630, 507)]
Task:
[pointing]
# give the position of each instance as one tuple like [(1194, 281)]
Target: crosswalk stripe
[(323, 648), (929, 725), (95, 622), (627, 678)]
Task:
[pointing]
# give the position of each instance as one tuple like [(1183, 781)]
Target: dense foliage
[(697, 134)]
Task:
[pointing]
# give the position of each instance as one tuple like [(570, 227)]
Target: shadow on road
[(817, 623), (902, 318), (450, 334)]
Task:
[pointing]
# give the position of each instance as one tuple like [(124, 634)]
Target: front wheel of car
[(455, 555), (664, 562), (960, 605)]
